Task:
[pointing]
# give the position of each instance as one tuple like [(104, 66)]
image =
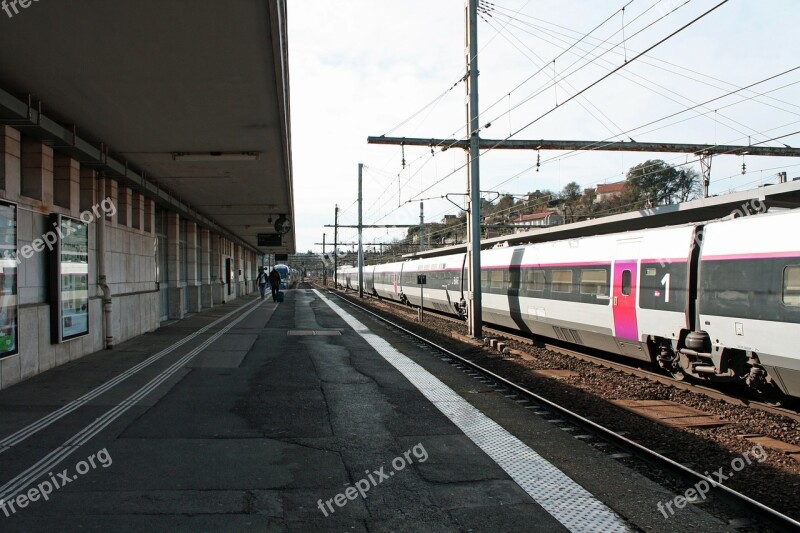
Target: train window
[(536, 280), (594, 282), (791, 286), (562, 281), (626, 282), (496, 277)]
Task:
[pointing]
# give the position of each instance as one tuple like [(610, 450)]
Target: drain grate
[(313, 332)]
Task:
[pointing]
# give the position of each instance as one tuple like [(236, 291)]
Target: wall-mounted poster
[(69, 275), (9, 328)]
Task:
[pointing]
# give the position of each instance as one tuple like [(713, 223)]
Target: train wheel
[(678, 374), (670, 362)]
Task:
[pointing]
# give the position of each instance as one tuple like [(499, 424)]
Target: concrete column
[(149, 216), (176, 310), (253, 271), (111, 194), (37, 171), (124, 206), (88, 192), (215, 268), (193, 286), (137, 210), (67, 184), (238, 270), (10, 162), (204, 242)]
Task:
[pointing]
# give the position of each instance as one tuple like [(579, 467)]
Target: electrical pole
[(335, 246), (360, 241), (474, 301), (324, 263), (421, 226)]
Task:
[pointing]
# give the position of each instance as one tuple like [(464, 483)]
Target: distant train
[(717, 301), (288, 276)]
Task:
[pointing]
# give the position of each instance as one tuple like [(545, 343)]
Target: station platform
[(300, 416)]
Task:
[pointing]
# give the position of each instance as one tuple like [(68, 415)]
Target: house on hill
[(607, 191), (545, 219)]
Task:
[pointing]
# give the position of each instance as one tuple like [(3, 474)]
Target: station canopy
[(185, 100)]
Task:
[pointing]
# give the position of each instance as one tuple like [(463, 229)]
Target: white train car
[(618, 293), (749, 299), (717, 301), (443, 282), (387, 281), (347, 277)]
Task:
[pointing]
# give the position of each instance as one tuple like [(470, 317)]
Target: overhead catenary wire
[(666, 118), (655, 62), (610, 17), (660, 90), (412, 175), (547, 86), (637, 57), (593, 84)]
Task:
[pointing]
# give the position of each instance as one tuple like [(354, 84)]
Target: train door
[(399, 286), (626, 274)]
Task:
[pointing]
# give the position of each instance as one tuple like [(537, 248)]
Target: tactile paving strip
[(569, 503)]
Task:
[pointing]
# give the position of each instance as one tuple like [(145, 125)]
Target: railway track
[(605, 362), (737, 500)]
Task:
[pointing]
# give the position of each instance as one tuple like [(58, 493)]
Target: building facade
[(88, 263)]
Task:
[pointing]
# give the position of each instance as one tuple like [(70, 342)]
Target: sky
[(364, 68)]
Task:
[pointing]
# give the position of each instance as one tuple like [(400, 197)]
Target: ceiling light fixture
[(203, 157)]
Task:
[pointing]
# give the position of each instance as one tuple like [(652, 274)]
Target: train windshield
[(283, 271)]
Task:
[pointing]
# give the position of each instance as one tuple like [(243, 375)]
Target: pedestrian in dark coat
[(263, 281), (275, 283)]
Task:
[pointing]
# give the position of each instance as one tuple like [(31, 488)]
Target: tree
[(571, 192), (689, 185), (656, 182)]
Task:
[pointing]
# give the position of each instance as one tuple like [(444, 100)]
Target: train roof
[(784, 195)]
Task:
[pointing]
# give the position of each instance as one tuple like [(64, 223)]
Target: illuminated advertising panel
[(9, 325), (69, 280)]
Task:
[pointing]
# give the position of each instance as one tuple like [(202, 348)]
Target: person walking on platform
[(263, 281), (275, 283)]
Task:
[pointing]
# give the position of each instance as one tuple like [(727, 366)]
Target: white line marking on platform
[(15, 486), (15, 438), (569, 503)]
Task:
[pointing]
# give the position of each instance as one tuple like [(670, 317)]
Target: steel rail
[(767, 514), (622, 367)]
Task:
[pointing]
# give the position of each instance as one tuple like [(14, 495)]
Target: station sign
[(269, 239)]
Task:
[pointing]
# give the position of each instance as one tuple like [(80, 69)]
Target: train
[(713, 301), (288, 276)]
